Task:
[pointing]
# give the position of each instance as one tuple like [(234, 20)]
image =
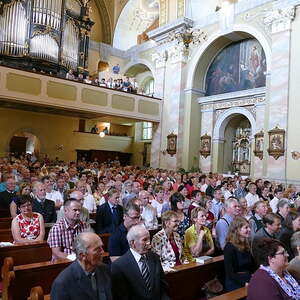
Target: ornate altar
[(241, 146), (48, 35)]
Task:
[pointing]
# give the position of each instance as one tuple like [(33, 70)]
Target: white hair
[(135, 232)]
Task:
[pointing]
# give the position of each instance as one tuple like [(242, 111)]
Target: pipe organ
[(48, 34)]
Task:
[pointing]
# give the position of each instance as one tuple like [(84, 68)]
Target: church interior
[(206, 87)]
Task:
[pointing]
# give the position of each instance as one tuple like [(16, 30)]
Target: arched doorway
[(24, 142), (233, 135)]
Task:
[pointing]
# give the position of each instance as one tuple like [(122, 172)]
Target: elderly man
[(86, 278), (138, 274), (232, 209), (63, 233), (117, 244), (7, 195), (84, 213), (89, 201), (148, 212), (42, 205), (252, 196)]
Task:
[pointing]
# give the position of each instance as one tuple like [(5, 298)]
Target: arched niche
[(24, 141), (135, 18), (215, 43)]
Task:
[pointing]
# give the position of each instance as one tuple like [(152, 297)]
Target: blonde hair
[(233, 235)]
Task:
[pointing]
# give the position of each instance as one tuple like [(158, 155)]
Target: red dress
[(29, 229)]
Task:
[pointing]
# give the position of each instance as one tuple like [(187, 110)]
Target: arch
[(29, 130), (146, 63), (105, 21), (226, 116), (219, 40), (136, 16)]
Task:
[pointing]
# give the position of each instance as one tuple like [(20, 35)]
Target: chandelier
[(187, 36)]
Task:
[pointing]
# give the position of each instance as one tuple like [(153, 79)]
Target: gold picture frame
[(205, 145), (172, 144), (259, 145), (276, 142)]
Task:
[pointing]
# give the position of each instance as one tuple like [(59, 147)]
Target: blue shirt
[(117, 243), (222, 228), (216, 208)]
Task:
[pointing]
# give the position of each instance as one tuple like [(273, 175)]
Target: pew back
[(186, 283), (18, 283), (26, 253), (238, 294)]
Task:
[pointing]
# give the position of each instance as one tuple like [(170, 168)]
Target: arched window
[(239, 66), (146, 131)]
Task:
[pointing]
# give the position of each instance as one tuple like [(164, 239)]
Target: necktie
[(92, 277), (115, 215), (145, 272)]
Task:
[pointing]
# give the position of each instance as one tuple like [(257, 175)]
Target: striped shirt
[(62, 235)]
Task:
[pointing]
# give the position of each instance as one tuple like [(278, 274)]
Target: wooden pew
[(6, 235), (5, 223), (238, 294), (26, 253), (18, 281), (105, 238), (37, 293), (186, 283)]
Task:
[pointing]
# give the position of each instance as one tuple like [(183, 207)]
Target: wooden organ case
[(48, 35)]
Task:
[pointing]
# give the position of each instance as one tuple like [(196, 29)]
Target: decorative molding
[(258, 92), (178, 53), (221, 105), (180, 8), (161, 34), (162, 12), (160, 59), (280, 19)]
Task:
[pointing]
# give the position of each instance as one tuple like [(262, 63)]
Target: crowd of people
[(254, 223), (126, 85)]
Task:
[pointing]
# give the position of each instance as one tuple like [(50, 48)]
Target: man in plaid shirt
[(62, 234)]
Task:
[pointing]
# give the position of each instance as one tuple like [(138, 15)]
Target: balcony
[(35, 91)]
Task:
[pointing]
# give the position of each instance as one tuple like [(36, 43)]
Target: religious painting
[(239, 66), (172, 144), (276, 142), (259, 145), (205, 145)]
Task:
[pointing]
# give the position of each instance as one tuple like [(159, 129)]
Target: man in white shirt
[(274, 202), (252, 197), (51, 194), (148, 213), (89, 201)]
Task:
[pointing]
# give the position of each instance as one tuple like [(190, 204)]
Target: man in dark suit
[(138, 274), (8, 195), (110, 214), (42, 205), (86, 278)]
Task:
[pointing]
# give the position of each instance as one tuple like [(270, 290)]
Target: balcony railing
[(43, 90)]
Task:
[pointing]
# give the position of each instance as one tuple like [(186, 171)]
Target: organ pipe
[(46, 30)]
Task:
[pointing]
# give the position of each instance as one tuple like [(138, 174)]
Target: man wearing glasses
[(118, 244)]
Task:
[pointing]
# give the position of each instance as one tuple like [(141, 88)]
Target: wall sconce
[(295, 155), (102, 134), (59, 148)]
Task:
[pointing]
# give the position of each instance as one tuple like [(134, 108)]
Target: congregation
[(156, 220)]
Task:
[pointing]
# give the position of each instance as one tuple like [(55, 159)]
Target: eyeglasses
[(284, 252), (134, 218)]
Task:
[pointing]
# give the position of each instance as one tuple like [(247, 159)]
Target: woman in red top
[(27, 226)]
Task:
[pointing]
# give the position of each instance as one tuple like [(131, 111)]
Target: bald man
[(86, 278)]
